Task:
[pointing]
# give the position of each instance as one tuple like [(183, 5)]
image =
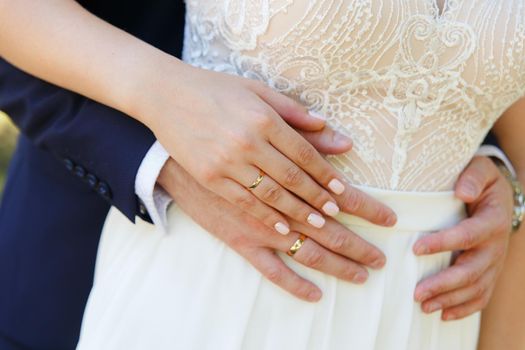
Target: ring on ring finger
[(297, 245)]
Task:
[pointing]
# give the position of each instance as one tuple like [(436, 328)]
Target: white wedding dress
[(416, 84)]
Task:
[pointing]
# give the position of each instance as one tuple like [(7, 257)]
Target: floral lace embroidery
[(415, 83)]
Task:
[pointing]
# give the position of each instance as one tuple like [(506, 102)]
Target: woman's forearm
[(62, 43)]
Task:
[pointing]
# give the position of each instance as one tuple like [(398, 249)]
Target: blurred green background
[(8, 134)]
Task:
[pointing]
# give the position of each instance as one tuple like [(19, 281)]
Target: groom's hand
[(334, 250), (482, 239)]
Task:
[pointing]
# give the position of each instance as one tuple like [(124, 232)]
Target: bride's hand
[(227, 131)]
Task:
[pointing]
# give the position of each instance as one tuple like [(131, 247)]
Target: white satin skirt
[(188, 290)]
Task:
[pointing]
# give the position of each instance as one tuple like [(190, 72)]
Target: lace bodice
[(416, 84)]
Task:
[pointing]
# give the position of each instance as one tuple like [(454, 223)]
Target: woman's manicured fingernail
[(341, 140), (336, 186), (432, 306), (317, 115), (316, 220), (282, 228), (330, 208)]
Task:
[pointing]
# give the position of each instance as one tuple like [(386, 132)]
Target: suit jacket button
[(142, 209), (80, 171), (103, 190), (91, 180), (69, 164)]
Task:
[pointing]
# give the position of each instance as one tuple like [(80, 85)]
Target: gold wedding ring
[(257, 181), (297, 245)]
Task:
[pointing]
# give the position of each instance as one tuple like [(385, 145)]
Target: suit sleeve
[(94, 142)]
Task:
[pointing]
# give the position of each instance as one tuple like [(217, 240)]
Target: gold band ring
[(257, 181), (297, 245)]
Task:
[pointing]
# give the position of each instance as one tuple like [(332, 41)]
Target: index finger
[(467, 234), (351, 200)]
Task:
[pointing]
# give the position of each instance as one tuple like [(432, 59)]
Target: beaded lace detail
[(416, 84)]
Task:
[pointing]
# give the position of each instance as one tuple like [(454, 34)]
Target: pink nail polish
[(282, 228), (330, 208), (316, 220), (336, 186)]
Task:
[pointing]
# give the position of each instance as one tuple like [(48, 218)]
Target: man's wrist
[(154, 199), (518, 214), (165, 174)]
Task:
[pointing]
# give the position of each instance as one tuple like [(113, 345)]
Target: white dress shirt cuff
[(155, 198), (493, 151)]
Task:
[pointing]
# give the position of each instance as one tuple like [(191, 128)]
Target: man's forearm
[(67, 46), (503, 321)]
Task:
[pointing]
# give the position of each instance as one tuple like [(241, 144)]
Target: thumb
[(479, 174), (290, 110)]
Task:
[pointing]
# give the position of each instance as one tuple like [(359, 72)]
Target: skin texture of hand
[(482, 239), (334, 250), (224, 129)]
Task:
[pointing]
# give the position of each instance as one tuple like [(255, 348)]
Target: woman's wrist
[(157, 88)]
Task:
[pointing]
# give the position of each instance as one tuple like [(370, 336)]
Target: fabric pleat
[(188, 290)]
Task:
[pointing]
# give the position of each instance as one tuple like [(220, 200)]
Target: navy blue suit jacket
[(74, 159)]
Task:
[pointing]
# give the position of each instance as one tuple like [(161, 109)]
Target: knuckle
[(479, 291), (350, 273), (245, 201), (305, 154), (353, 201), (318, 197), (263, 121), (436, 289), (471, 276), (340, 242), (238, 241), (314, 258), (301, 290), (274, 274), (484, 300), (435, 243), (447, 300), (272, 194), (243, 141), (209, 173), (269, 218), (477, 305), (293, 176), (467, 238)]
